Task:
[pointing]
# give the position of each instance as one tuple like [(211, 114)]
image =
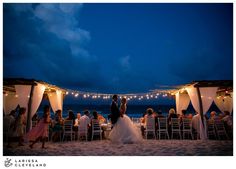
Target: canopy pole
[(200, 106), (28, 123)]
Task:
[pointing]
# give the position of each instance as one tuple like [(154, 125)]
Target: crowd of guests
[(15, 121), (15, 125), (82, 121), (150, 113)]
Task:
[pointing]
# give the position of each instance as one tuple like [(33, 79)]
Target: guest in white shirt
[(84, 120), (196, 122), (84, 123)]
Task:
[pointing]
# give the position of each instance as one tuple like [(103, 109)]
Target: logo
[(8, 162)]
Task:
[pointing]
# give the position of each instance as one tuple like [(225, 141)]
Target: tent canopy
[(29, 93)]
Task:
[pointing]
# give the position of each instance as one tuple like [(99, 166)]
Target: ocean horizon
[(132, 110)]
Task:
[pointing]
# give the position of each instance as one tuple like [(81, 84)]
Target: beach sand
[(146, 148)]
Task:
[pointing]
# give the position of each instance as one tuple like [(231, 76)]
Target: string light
[(6, 94), (67, 93)]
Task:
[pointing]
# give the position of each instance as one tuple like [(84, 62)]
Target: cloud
[(125, 63), (46, 42)]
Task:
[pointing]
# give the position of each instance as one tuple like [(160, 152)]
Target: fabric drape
[(224, 103), (207, 95), (23, 94), (182, 102), (37, 98), (56, 100), (10, 102), (192, 92)]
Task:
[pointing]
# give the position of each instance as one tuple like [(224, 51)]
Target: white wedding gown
[(124, 131)]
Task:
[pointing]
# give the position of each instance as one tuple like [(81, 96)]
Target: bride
[(124, 131)]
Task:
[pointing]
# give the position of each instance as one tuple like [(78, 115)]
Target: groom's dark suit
[(115, 113)]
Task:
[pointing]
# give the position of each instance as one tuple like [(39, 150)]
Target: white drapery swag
[(207, 94), (192, 92), (10, 102), (182, 102), (224, 103), (23, 93), (37, 98), (56, 100)]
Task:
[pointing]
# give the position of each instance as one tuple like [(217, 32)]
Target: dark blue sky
[(118, 48)]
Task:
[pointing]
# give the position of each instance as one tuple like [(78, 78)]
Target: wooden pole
[(28, 123), (200, 106)]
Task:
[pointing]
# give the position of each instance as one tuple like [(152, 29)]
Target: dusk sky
[(118, 48)]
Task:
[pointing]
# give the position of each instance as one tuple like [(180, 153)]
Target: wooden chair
[(68, 129), (96, 129), (163, 127), (150, 127), (175, 127), (220, 129), (187, 128), (211, 129), (83, 132)]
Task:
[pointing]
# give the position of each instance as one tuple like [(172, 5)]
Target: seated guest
[(172, 114), (57, 127), (95, 115), (77, 119), (20, 125), (213, 116), (196, 123), (101, 119), (221, 116), (84, 122), (228, 121), (8, 126), (142, 118), (149, 114), (159, 114), (190, 116), (71, 116), (181, 117)]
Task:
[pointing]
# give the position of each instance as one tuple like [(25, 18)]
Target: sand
[(146, 148)]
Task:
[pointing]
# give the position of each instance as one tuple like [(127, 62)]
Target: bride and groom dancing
[(123, 131)]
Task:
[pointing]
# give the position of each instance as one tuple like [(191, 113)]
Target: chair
[(83, 132), (68, 129), (220, 129), (211, 129), (187, 128), (163, 127), (150, 127), (175, 127), (96, 129)]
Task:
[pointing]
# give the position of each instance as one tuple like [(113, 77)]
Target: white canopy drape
[(10, 102), (182, 102), (207, 94), (23, 94), (56, 100), (224, 103), (37, 98), (192, 92)]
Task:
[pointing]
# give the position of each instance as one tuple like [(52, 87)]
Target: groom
[(115, 113)]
